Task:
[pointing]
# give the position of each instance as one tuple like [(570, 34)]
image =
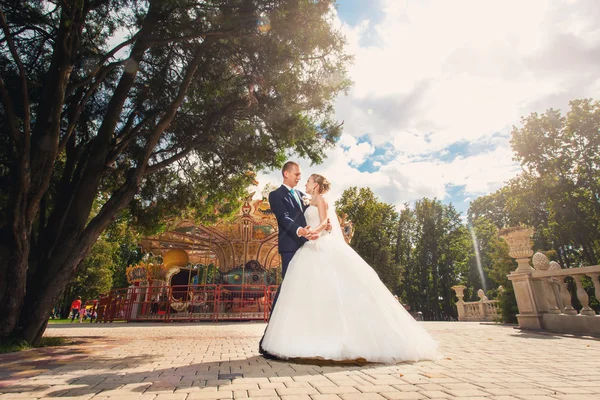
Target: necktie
[(293, 192)]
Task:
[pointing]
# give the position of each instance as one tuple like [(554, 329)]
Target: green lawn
[(63, 321), (20, 345)]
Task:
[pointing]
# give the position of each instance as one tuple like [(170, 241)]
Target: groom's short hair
[(288, 166)]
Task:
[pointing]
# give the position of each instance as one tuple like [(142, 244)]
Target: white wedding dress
[(332, 305)]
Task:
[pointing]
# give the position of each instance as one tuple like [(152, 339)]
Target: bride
[(333, 306)]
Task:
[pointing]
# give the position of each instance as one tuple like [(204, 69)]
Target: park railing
[(187, 303), (482, 310), (550, 297)]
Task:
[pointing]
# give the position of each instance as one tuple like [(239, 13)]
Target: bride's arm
[(322, 207)]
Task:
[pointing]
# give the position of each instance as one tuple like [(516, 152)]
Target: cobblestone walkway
[(220, 361)]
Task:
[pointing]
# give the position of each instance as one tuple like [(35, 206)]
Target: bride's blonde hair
[(324, 184)]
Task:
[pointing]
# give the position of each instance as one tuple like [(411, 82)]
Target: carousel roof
[(250, 235)]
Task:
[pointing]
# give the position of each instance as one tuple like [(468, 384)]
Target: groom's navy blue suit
[(290, 217)]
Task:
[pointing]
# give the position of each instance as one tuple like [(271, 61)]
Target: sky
[(438, 86)]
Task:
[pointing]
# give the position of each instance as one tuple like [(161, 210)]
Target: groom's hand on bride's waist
[(328, 227)]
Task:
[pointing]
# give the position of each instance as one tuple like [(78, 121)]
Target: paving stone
[(337, 390), (362, 396), (403, 396), (435, 394)]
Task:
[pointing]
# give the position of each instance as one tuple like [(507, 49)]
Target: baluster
[(596, 284), (566, 299), (583, 297), (550, 297), (555, 286)]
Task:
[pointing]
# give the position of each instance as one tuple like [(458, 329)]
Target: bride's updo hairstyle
[(324, 184)]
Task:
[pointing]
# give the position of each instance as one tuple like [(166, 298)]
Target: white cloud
[(357, 154), (442, 72), (462, 70)]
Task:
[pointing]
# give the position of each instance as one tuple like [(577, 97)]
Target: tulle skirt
[(333, 306)]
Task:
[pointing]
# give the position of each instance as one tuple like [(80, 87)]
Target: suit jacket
[(290, 217)]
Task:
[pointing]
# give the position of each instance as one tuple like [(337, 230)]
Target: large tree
[(146, 103), (558, 193)]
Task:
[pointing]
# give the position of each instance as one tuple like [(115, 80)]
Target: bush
[(507, 304)]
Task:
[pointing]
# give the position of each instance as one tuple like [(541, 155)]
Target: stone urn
[(460, 304), (519, 244), (460, 292)]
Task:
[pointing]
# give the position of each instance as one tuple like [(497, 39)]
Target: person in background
[(82, 314), (75, 306)]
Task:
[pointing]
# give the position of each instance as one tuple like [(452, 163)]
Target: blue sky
[(438, 86)]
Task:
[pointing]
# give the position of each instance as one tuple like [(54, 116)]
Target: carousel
[(229, 270)]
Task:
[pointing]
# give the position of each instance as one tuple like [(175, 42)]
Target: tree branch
[(22, 75), (99, 70), (13, 130), (79, 106), (198, 35), (230, 107)]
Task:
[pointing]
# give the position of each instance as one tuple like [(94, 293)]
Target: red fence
[(187, 303)]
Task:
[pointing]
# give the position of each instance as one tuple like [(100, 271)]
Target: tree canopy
[(160, 105)]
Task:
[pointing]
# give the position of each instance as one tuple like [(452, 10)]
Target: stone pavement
[(220, 361)]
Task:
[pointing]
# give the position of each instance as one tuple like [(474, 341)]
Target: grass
[(15, 345), (63, 321)]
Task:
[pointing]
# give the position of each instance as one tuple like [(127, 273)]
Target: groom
[(288, 207)]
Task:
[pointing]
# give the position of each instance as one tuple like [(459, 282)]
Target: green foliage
[(559, 191), (434, 248), (105, 265), (375, 225), (507, 304), (558, 194), (419, 253)]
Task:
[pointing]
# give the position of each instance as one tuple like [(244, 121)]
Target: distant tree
[(437, 259)]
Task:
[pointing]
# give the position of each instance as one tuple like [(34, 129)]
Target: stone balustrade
[(482, 310), (542, 292)]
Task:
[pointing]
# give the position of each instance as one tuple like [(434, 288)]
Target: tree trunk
[(43, 292), (46, 286), (15, 276), (32, 172)]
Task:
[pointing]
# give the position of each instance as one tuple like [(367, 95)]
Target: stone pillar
[(460, 304), (519, 243)]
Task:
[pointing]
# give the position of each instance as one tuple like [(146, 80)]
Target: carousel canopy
[(250, 235)]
